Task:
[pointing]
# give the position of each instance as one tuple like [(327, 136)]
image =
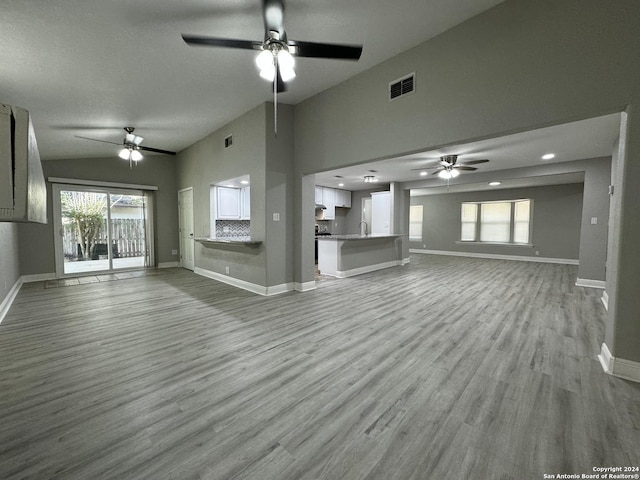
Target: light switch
[(594, 220), (276, 217)]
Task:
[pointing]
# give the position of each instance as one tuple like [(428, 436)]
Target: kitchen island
[(348, 255)]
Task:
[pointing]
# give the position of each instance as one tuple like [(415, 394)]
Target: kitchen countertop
[(228, 241), (357, 236)]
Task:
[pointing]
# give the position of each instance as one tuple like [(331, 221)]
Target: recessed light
[(423, 174), (495, 184), (245, 182), (548, 156), (341, 184)]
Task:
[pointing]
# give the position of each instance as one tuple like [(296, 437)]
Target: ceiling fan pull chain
[(275, 98)]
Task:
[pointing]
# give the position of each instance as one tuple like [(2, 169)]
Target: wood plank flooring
[(448, 367)]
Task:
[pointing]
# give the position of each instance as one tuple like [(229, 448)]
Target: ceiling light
[(495, 184), (285, 64), (124, 154), (448, 173), (264, 60), (548, 156), (341, 184), (423, 174), (244, 182), (369, 179), (136, 156)]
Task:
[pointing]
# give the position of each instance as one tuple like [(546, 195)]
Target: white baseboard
[(305, 286), (519, 258), (39, 277), (585, 282), (366, 269), (251, 287), (9, 298), (168, 264), (406, 261), (619, 367), (605, 300)]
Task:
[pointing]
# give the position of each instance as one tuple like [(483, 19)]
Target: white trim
[(38, 277), (585, 282), (619, 367), (406, 260), (606, 359), (365, 269), (605, 300), (305, 286), (168, 264), (520, 258), (251, 287), (9, 298), (97, 183)]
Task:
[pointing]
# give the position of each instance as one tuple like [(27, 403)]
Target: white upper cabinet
[(245, 203), (343, 198), (319, 195), (329, 201), (228, 202)]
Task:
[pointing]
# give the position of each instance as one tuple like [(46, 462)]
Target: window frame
[(414, 238), (512, 223)]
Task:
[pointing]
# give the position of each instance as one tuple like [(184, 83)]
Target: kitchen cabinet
[(245, 203), (342, 198), (329, 201), (233, 203), (227, 203), (319, 195)]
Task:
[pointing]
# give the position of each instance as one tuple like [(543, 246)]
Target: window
[(415, 223), (496, 222)]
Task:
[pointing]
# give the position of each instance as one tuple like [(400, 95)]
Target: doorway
[(100, 230), (185, 221)]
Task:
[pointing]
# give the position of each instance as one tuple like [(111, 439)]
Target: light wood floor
[(447, 368)]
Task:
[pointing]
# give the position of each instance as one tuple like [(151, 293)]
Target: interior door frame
[(180, 223)]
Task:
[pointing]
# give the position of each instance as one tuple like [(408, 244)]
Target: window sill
[(498, 244)]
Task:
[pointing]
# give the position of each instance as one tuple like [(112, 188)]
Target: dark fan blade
[(156, 150), (195, 40), (273, 14), (460, 167), (474, 162), (96, 140), (326, 50), (439, 167)]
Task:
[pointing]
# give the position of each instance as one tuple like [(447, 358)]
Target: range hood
[(319, 206), (23, 192)]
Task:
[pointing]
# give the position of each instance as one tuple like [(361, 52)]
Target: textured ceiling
[(90, 68)]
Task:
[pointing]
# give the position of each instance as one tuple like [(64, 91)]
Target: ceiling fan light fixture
[(265, 62), (136, 156), (124, 154), (286, 64)]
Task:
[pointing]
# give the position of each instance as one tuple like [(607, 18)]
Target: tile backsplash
[(233, 228)]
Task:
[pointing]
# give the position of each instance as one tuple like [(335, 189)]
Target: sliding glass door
[(100, 230)]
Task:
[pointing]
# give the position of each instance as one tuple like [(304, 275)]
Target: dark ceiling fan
[(131, 146), (277, 52), (450, 168)]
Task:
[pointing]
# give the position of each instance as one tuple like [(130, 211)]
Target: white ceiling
[(584, 139), (92, 67)]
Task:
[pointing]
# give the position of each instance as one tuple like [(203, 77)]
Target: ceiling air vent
[(402, 86), (228, 141)]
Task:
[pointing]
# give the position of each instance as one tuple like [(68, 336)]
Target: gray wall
[(518, 66), (36, 241), (9, 264), (268, 160), (557, 213)]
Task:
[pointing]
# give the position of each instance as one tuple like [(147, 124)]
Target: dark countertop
[(228, 241), (357, 236)]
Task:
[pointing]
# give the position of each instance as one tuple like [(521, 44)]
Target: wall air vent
[(228, 141), (402, 86)]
